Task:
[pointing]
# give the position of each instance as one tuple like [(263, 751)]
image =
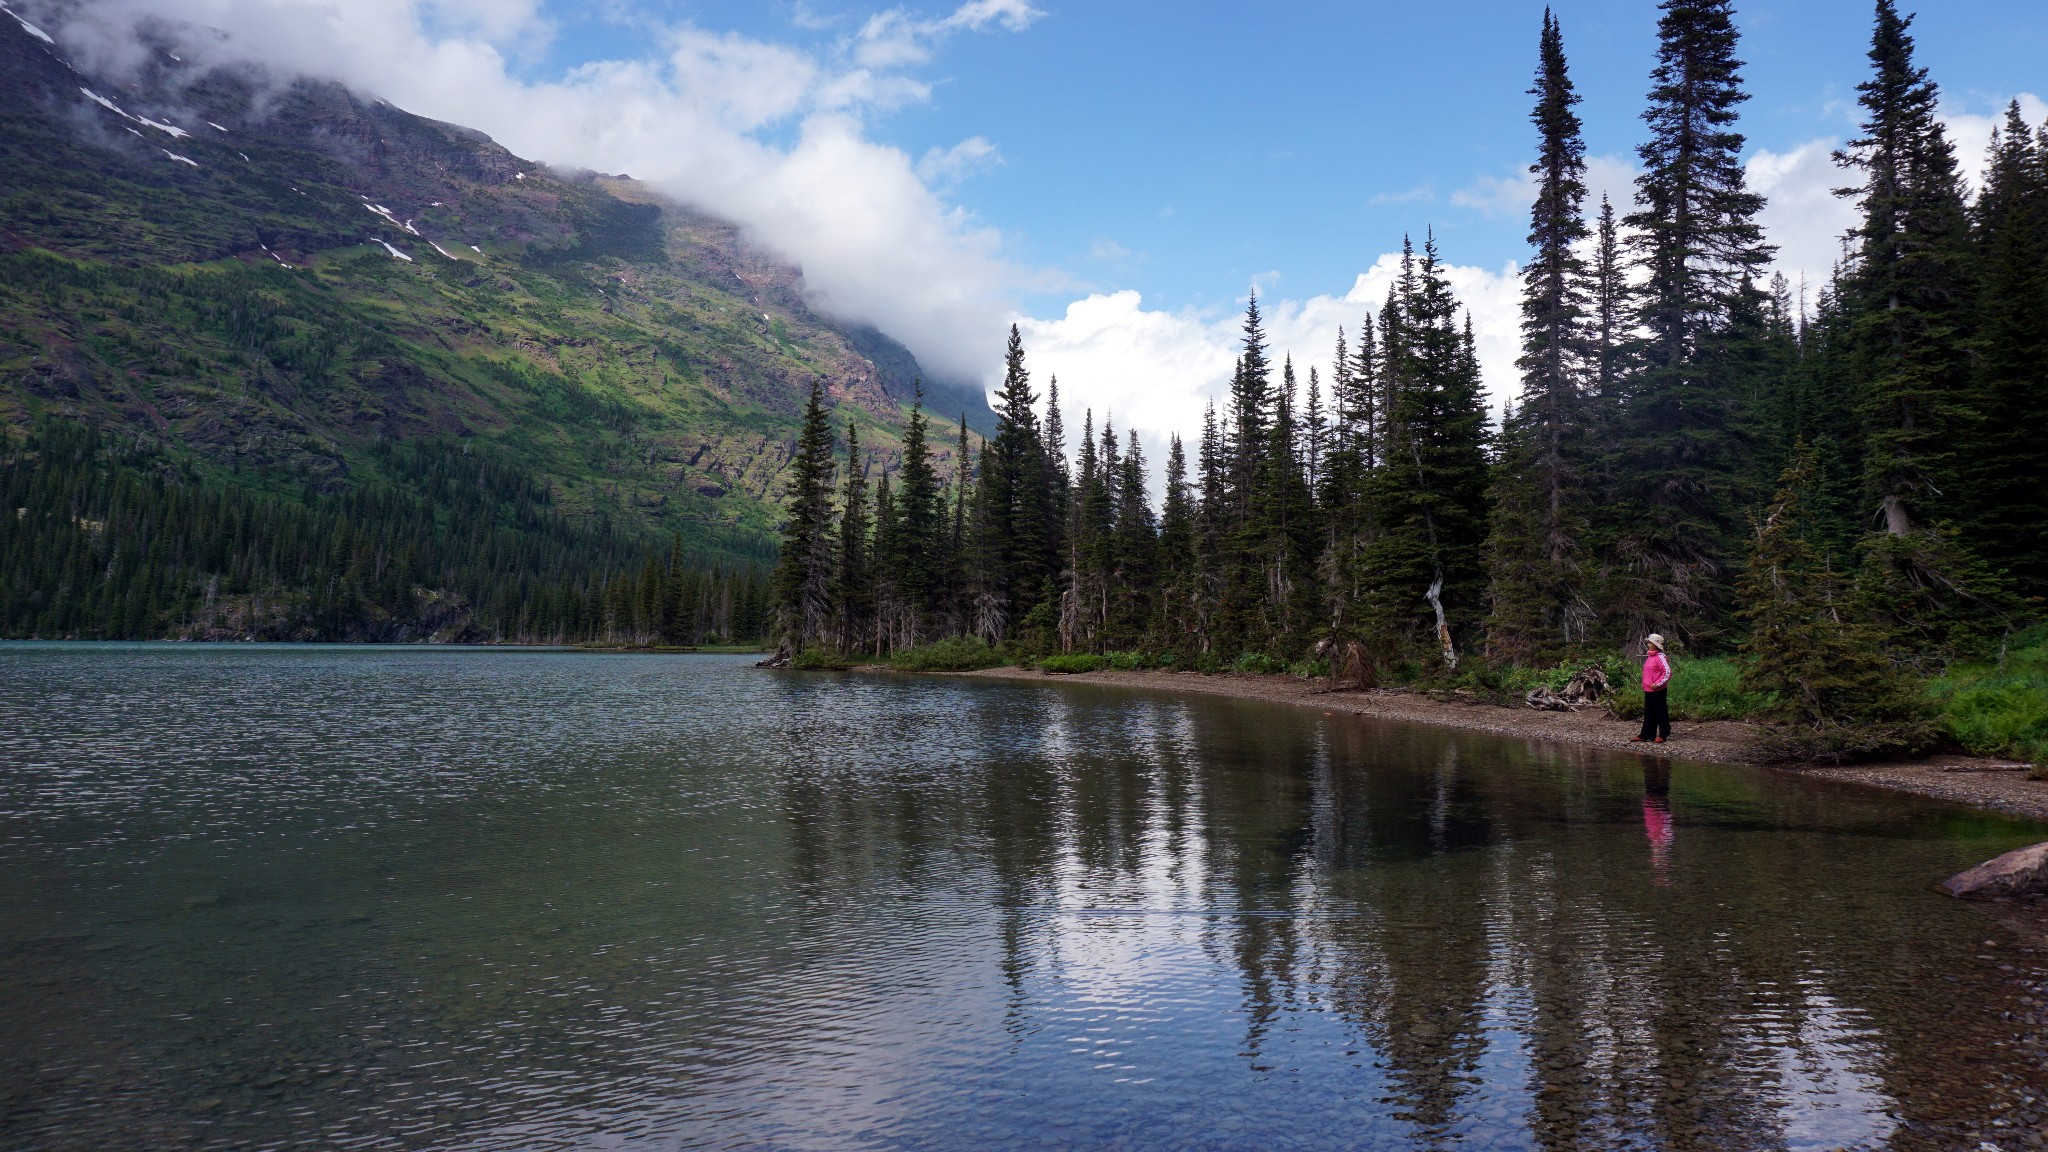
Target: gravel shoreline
[(1994, 785)]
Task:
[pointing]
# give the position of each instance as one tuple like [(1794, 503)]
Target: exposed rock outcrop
[(2021, 872)]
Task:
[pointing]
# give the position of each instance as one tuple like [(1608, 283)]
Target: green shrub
[(1260, 664), (2000, 708), (821, 660), (1310, 669), (955, 654), (1069, 663)]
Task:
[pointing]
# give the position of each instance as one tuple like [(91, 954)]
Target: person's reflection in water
[(1657, 817)]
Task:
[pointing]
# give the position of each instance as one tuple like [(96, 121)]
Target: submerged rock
[(2021, 872)]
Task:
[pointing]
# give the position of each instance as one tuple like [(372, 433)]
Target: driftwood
[(1587, 687)]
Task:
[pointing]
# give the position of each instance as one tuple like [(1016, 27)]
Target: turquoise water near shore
[(286, 897)]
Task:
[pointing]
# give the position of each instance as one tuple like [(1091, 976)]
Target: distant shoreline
[(1989, 784)]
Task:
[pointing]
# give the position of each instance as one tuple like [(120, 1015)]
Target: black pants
[(1656, 715)]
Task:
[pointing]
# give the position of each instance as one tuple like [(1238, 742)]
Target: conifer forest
[(1846, 490)]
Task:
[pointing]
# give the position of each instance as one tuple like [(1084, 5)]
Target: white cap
[(1655, 640)]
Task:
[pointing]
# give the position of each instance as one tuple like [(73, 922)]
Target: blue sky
[(1186, 149), (1112, 176)]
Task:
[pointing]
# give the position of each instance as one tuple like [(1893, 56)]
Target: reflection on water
[(399, 899)]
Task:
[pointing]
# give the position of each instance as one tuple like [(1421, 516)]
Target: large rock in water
[(2021, 872)]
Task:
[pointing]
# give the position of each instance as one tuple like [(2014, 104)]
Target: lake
[(371, 898)]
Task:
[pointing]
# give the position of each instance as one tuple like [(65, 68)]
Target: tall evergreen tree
[(1177, 537), (1251, 407), (1832, 691), (921, 534), (1135, 551), (1680, 450), (1536, 577), (853, 588), (1610, 318), (2009, 450), (802, 583), (1424, 578), (1908, 290)]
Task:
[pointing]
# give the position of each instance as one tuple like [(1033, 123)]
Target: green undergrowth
[(957, 654), (2000, 708), (1702, 688)]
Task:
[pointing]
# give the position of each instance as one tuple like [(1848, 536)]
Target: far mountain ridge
[(270, 279)]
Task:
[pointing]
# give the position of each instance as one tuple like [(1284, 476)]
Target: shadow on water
[(400, 899)]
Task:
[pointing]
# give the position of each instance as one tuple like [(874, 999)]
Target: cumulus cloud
[(768, 136)]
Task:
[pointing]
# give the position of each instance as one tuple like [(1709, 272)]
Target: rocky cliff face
[(270, 279)]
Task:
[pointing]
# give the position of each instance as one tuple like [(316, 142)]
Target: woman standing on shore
[(1656, 678)]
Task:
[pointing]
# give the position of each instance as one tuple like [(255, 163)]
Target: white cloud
[(951, 165), (1614, 177), (1970, 132), (1802, 215), (894, 39), (707, 118), (1108, 251), (1498, 196)]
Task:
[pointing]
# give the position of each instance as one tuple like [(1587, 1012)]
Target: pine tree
[(2008, 447), (1281, 533), (1907, 291), (1251, 406), (1135, 552), (1423, 579), (1019, 559), (1205, 592), (1315, 434), (1680, 454), (887, 595), (921, 530), (1536, 575), (1520, 603), (1611, 309), (853, 590), (1832, 692), (803, 575), (1177, 534)]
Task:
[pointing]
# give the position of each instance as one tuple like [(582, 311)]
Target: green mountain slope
[(264, 290)]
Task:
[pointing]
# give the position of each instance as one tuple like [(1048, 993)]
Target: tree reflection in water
[(401, 899)]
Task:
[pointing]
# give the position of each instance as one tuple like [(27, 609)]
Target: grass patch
[(1702, 688), (2000, 708), (957, 654), (821, 660)]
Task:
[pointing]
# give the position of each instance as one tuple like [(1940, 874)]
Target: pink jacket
[(1656, 672)]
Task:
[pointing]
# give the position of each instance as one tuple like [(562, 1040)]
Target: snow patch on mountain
[(180, 159), (395, 253), (27, 27)]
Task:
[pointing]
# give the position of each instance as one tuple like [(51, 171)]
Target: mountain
[(265, 288)]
